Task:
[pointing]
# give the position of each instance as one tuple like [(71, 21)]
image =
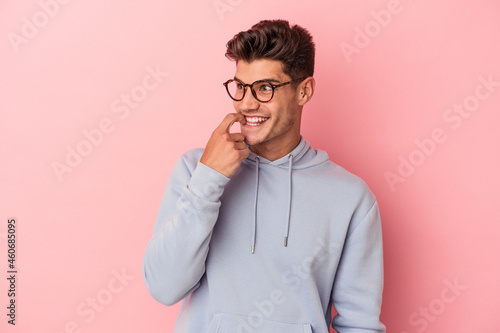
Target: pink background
[(65, 68)]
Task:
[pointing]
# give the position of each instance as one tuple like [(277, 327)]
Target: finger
[(229, 120), (237, 137), (244, 153), (240, 145)]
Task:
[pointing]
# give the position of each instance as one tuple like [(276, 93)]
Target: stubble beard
[(274, 133)]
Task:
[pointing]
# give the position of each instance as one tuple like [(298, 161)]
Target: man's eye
[(240, 86), (266, 88)]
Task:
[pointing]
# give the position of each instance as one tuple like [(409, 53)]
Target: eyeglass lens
[(263, 90)]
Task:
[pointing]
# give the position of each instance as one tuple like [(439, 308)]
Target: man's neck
[(272, 151)]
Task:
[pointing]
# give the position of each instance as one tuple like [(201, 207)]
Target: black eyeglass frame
[(274, 86)]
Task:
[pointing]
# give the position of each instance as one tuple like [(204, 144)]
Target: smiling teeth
[(254, 121)]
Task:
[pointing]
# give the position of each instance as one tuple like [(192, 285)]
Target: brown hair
[(275, 40)]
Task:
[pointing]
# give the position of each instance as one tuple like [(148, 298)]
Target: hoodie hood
[(302, 157)]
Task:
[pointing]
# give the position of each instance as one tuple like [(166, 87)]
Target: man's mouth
[(255, 121)]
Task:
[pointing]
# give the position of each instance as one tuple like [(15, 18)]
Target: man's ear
[(306, 90)]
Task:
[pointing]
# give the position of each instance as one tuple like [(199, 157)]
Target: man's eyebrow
[(266, 79)]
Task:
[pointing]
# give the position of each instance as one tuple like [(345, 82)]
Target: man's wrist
[(207, 183)]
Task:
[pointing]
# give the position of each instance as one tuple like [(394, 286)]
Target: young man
[(259, 232)]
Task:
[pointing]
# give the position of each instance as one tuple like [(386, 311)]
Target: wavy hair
[(275, 40)]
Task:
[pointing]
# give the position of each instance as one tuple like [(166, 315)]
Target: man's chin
[(249, 141), (255, 145)]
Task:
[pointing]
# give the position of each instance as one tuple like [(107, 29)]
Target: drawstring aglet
[(286, 241), (253, 248)]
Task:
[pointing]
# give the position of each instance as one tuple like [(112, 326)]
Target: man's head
[(276, 61)]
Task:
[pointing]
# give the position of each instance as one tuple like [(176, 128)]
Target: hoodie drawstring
[(287, 229), (257, 160), (290, 159)]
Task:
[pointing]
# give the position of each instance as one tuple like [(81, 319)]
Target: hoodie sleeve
[(357, 289), (174, 260)]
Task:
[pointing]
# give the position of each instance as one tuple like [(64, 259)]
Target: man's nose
[(248, 103)]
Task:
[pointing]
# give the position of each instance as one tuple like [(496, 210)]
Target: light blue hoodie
[(270, 249)]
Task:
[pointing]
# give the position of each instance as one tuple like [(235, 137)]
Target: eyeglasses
[(262, 90)]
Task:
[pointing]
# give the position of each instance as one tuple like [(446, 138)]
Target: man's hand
[(225, 151)]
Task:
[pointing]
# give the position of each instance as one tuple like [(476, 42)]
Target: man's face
[(275, 124)]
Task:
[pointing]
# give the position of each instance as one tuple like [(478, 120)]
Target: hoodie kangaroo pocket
[(232, 323)]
